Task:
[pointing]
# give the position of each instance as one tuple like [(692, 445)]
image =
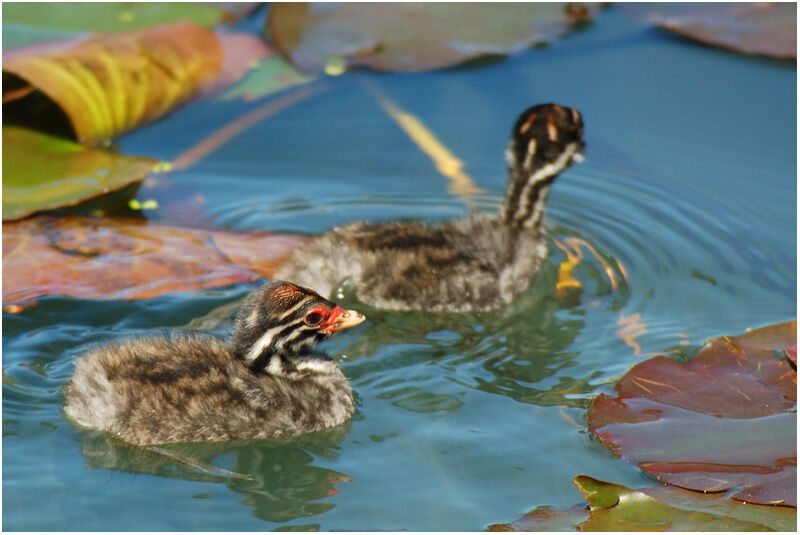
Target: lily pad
[(613, 507), (768, 29), (414, 36), (111, 83), (129, 259), (244, 54), (110, 16), (42, 172), (726, 419), (272, 74)]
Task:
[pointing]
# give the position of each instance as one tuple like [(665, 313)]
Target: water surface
[(688, 193)]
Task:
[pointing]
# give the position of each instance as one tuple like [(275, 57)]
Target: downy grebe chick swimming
[(265, 381), (475, 263)]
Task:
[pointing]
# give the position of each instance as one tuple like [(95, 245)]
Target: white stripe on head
[(549, 170), (278, 346), (531, 153), (263, 343)]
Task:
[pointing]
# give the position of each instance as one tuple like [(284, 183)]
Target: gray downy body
[(192, 388), (267, 380)]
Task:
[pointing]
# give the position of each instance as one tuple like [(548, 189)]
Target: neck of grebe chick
[(545, 140)]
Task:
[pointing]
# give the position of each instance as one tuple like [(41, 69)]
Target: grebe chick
[(475, 263), (265, 381)]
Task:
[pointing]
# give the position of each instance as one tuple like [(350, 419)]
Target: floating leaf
[(768, 29), (264, 72), (613, 507), (272, 74), (546, 518), (726, 419), (109, 84), (42, 172), (129, 259), (110, 16), (413, 36)]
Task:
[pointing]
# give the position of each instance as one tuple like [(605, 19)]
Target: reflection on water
[(510, 351), (286, 484), (277, 477)]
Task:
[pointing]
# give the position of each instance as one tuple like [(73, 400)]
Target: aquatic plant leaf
[(111, 83), (613, 507), (243, 54), (617, 508), (414, 36), (129, 259), (546, 518), (110, 16), (42, 172), (726, 419), (272, 74), (768, 29)]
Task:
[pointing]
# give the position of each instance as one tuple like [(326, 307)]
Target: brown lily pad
[(42, 172), (768, 29), (129, 259), (612, 507), (726, 419), (414, 36), (110, 83)]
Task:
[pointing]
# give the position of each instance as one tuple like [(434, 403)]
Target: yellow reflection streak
[(461, 184)]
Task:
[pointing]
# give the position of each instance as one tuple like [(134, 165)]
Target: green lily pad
[(272, 74), (724, 420), (41, 172), (414, 36), (109, 16), (617, 508), (612, 507)]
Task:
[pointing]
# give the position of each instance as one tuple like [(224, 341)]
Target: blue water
[(689, 185)]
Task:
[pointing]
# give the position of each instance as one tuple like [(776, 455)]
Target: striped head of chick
[(281, 321), (546, 135)]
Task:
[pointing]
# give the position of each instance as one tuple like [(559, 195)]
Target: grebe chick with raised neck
[(475, 263)]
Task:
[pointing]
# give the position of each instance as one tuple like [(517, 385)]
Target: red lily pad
[(768, 29), (129, 259), (414, 36), (42, 172), (726, 419), (613, 507)]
